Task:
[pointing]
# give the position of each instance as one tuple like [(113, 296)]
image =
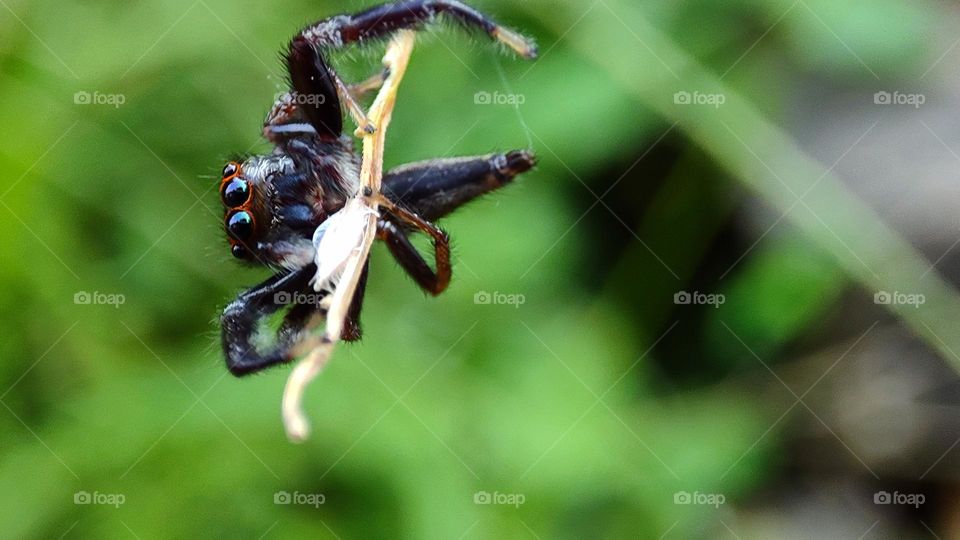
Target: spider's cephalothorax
[(276, 204)]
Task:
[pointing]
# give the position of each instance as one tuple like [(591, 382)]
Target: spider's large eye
[(240, 225), (230, 169), (235, 192)]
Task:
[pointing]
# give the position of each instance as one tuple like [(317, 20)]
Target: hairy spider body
[(278, 205)]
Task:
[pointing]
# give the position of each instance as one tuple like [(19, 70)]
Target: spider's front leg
[(287, 120), (320, 91), (410, 14), (241, 319)]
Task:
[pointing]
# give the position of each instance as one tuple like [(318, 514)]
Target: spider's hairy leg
[(412, 262), (434, 282), (315, 84), (308, 316), (299, 318), (433, 189), (381, 20), (437, 187), (320, 89), (351, 326), (241, 319)]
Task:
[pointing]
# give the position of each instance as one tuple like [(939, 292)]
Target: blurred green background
[(728, 151)]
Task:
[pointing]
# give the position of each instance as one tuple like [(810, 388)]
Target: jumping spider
[(276, 204)]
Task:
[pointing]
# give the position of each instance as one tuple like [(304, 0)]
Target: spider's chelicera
[(276, 204)]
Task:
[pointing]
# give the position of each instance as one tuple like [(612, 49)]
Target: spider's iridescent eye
[(240, 225), (235, 193), (239, 251), (230, 169)]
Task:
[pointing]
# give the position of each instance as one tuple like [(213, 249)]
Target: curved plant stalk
[(363, 204)]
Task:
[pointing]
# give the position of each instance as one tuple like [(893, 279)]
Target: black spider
[(276, 202)]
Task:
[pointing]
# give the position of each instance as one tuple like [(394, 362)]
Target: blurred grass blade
[(766, 160)]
